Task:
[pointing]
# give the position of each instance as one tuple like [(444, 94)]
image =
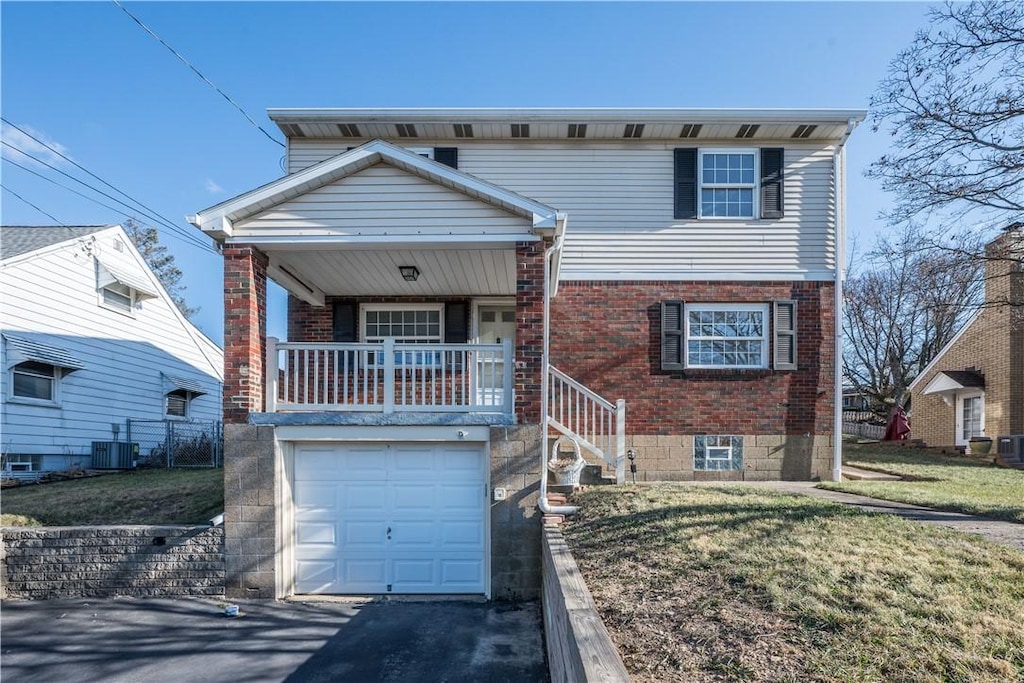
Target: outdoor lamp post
[(631, 454)]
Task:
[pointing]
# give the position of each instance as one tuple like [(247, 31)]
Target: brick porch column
[(245, 331), (529, 329)]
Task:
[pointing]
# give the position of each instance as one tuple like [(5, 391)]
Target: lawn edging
[(41, 563), (578, 645)]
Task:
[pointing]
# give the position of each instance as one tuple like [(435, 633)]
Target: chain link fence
[(178, 443)]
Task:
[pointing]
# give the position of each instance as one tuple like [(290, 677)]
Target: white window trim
[(365, 308), (189, 397), (131, 309), (756, 186), (475, 304), (54, 402), (763, 308)]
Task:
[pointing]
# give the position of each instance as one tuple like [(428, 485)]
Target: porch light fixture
[(409, 273)]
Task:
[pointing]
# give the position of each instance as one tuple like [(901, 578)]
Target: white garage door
[(389, 518)]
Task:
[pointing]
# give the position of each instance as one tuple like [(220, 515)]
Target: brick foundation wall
[(138, 561), (245, 331), (607, 335)]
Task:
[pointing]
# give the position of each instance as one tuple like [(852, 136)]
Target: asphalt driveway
[(154, 640)]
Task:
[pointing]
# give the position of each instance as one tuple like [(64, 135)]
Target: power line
[(50, 216), (150, 213), (198, 73)]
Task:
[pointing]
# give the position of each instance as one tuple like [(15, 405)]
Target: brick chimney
[(1004, 307)]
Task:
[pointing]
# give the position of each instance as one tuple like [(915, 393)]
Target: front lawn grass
[(144, 496), (742, 584), (958, 483)]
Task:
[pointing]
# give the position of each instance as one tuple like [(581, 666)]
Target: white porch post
[(389, 374), (270, 370), (508, 376)]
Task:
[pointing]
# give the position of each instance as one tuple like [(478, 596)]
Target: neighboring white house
[(90, 340)]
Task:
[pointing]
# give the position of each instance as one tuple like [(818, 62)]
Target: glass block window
[(728, 183), (717, 453), (726, 335)]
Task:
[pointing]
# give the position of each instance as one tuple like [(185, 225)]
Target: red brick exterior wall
[(245, 331), (607, 335), (529, 329)]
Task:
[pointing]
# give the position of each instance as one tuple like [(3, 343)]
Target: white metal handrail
[(598, 424), (389, 376)]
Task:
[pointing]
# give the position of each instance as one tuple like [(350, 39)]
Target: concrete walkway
[(125, 640), (1004, 533)]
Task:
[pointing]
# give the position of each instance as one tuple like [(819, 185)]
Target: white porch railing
[(597, 423), (389, 377)]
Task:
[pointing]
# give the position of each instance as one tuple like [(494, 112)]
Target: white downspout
[(542, 502), (839, 178)]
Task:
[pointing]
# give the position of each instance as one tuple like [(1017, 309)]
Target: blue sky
[(85, 78)]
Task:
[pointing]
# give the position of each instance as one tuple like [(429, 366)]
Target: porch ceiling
[(312, 275)]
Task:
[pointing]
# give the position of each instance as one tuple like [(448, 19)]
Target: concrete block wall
[(251, 489), (138, 561), (766, 457), (515, 521)]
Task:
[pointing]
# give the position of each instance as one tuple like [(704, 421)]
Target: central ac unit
[(114, 455), (1011, 448)]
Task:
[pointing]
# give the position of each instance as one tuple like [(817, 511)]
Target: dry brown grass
[(729, 584)]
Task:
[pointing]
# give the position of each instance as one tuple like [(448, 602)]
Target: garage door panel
[(315, 533), (431, 496)]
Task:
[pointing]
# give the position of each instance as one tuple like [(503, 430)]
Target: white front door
[(970, 416), (495, 324), (390, 518)]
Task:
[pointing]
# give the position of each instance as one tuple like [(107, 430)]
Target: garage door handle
[(389, 533)]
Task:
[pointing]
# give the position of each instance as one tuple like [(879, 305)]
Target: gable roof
[(942, 352), (954, 380), (16, 240), (218, 220)]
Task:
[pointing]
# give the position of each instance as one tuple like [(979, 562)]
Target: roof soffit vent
[(406, 130), (463, 130), (577, 130), (748, 130), (804, 131), (349, 130), (292, 130), (633, 130), (520, 130), (690, 130)]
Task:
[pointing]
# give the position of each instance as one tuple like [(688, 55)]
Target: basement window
[(717, 453)]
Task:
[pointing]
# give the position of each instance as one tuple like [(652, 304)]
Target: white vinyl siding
[(54, 294), (619, 198), (385, 200)]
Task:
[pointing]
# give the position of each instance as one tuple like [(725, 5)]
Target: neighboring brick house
[(975, 385), (463, 282)]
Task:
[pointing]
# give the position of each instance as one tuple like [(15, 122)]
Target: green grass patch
[(961, 484), (141, 497), (743, 584)]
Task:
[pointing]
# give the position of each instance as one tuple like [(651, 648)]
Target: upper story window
[(720, 183), (728, 183), (119, 297), (35, 381)]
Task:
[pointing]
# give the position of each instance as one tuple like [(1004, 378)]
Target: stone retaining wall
[(139, 561), (579, 647)]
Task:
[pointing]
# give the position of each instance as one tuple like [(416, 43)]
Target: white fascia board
[(571, 274), (583, 114), (942, 352), (941, 384), (462, 433), (393, 241), (218, 219)]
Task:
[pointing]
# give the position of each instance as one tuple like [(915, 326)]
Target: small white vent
[(119, 246)]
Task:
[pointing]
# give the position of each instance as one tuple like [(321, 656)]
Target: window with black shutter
[(344, 328), (685, 161), (772, 161), (784, 355), (449, 156)]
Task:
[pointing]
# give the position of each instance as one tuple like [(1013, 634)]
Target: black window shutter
[(456, 322), (772, 188), (344, 321), (449, 156), (785, 335), (685, 182), (672, 350)]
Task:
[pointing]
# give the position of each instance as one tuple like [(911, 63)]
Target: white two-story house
[(92, 340), (464, 283)]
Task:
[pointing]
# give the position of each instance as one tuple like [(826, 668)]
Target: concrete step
[(858, 474)]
